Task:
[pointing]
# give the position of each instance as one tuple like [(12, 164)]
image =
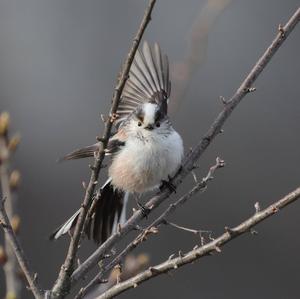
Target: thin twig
[(209, 248), (196, 153), (152, 228), (200, 232), (62, 285), (187, 229), (15, 244)]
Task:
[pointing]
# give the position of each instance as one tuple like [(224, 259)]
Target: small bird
[(145, 150)]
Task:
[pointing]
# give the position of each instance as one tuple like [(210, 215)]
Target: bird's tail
[(106, 213)]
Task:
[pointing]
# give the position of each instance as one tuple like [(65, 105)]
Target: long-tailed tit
[(145, 149)]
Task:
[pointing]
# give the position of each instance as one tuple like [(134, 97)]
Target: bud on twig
[(4, 122), (15, 223), (3, 256), (14, 179), (14, 142), (116, 273)]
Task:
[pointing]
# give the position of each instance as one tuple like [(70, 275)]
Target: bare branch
[(209, 248), (62, 285), (152, 228), (190, 230), (196, 153), (15, 244)]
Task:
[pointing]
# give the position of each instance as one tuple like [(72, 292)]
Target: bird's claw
[(145, 210), (168, 184)]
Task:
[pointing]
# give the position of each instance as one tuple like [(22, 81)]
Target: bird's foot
[(168, 184), (145, 210)]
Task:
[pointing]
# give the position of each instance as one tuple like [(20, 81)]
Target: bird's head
[(150, 118)]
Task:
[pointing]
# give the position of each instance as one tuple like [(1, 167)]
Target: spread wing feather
[(113, 146), (148, 81)]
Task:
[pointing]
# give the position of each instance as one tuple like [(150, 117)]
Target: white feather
[(149, 115), (147, 158), (66, 226)]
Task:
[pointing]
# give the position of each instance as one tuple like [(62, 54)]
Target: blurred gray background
[(58, 65)]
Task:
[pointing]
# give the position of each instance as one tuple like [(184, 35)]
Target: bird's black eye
[(157, 124), (139, 123)]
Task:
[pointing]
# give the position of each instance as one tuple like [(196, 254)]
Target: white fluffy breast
[(143, 163)]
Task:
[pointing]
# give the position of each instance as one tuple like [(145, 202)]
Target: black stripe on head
[(163, 109), (160, 98), (160, 113), (139, 114)]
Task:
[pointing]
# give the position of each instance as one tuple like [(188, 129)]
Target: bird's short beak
[(149, 127)]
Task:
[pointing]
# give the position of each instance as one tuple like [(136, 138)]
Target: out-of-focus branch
[(13, 283), (17, 248), (198, 252), (12, 251), (152, 228), (62, 285), (196, 50), (196, 153)]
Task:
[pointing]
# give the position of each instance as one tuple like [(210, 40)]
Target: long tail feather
[(108, 208), (65, 227), (108, 211)]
